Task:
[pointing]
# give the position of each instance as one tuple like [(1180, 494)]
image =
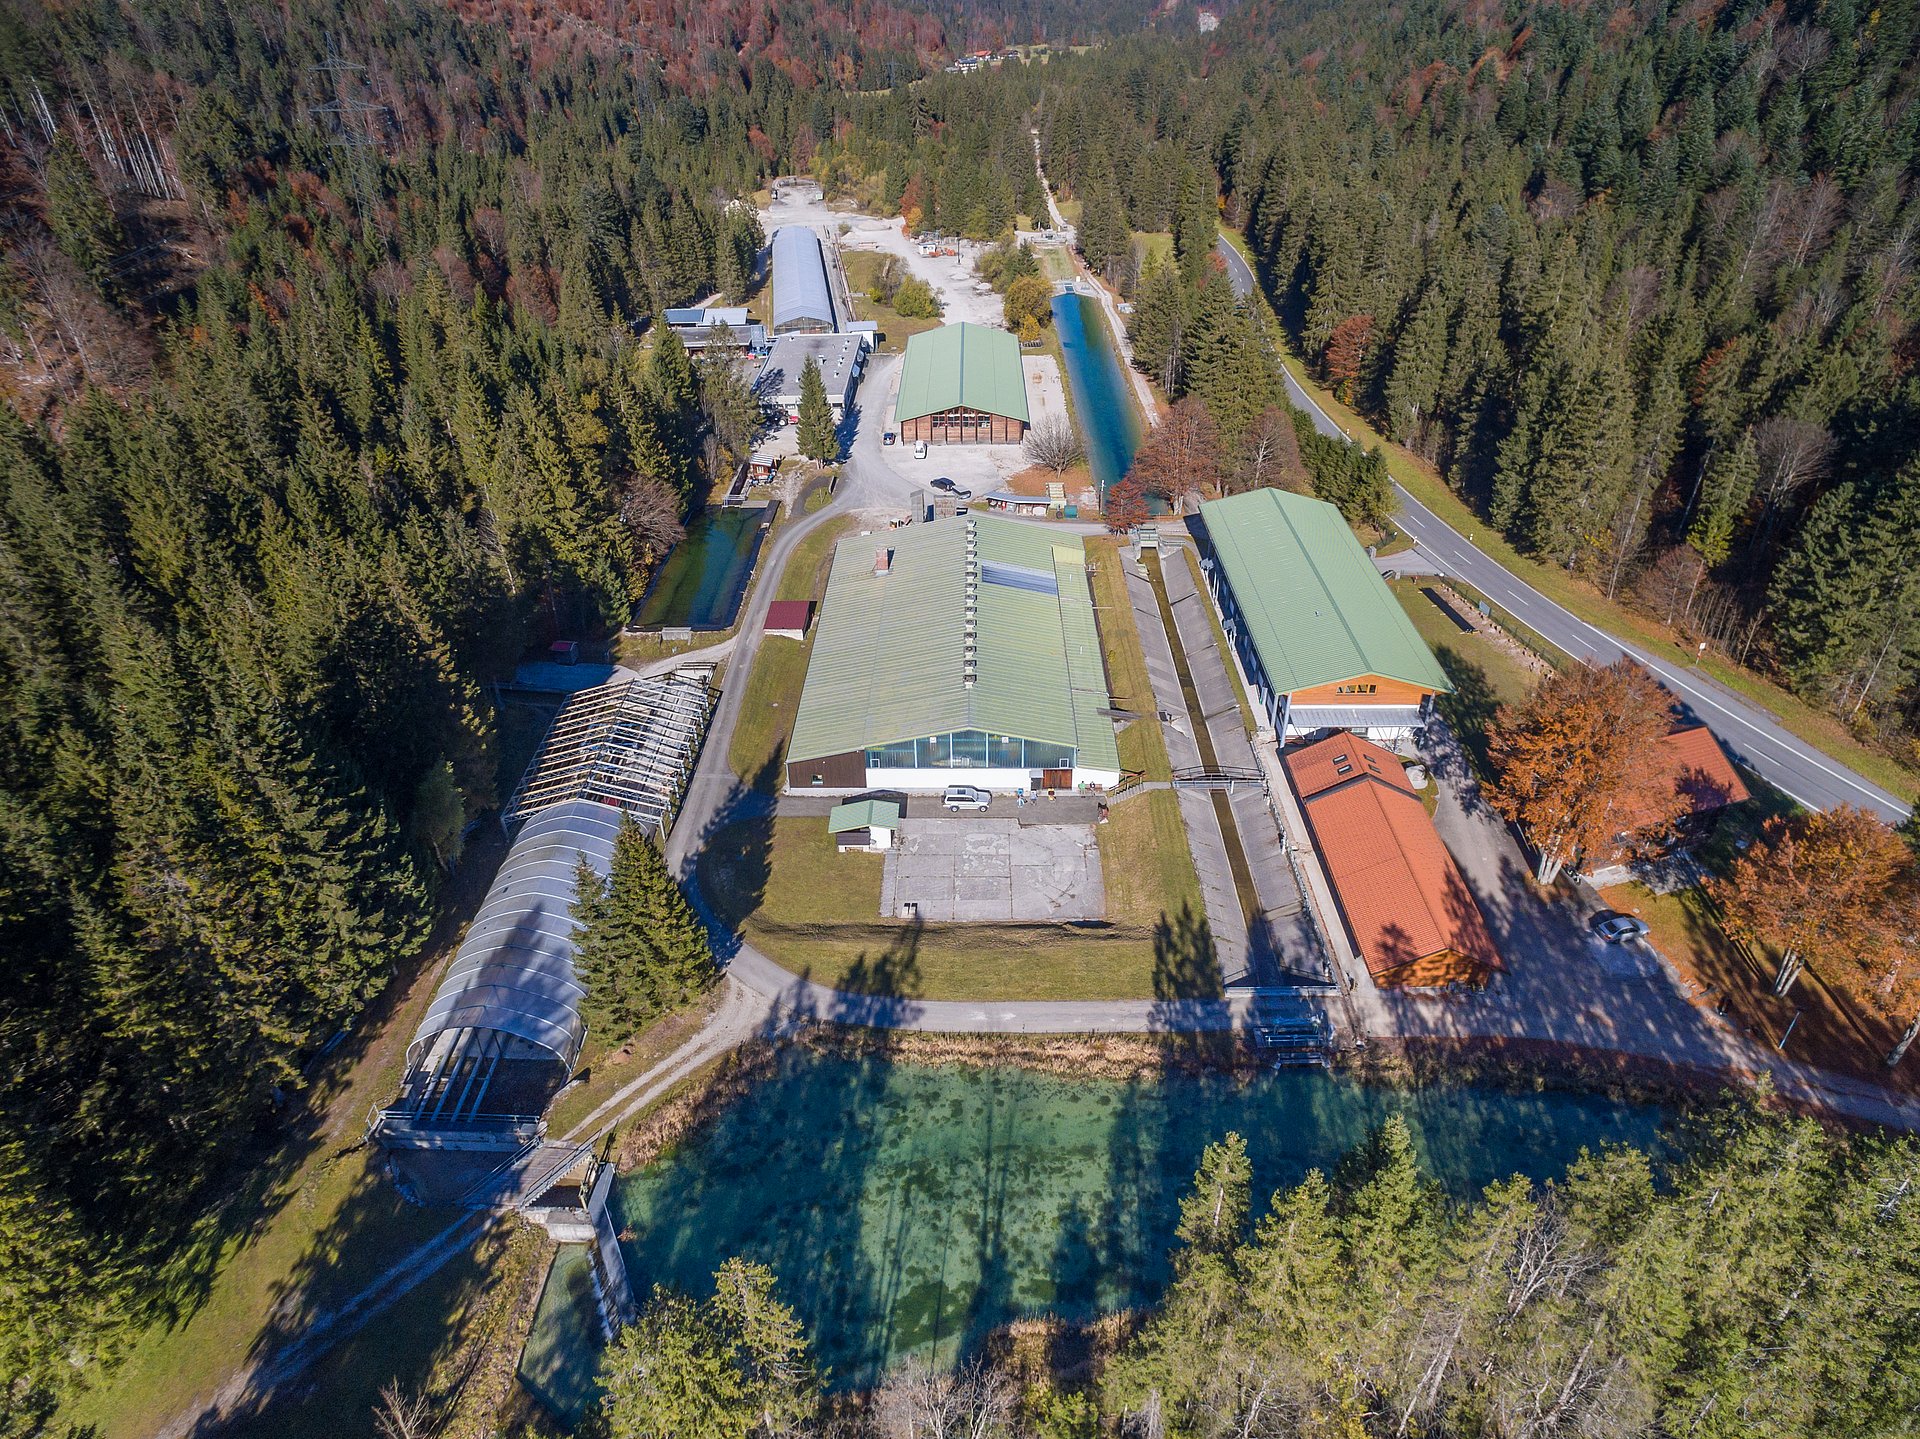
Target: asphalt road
[(1748, 732)]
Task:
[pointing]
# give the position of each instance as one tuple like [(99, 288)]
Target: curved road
[(1750, 734)]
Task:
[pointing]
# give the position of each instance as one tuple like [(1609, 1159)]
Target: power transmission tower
[(352, 120)]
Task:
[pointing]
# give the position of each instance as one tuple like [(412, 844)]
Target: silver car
[(965, 796), (1617, 928)]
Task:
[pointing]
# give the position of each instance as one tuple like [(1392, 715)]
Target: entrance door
[(1056, 779)]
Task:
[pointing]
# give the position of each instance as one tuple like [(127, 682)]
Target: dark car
[(1617, 928), (957, 491), (887, 438)]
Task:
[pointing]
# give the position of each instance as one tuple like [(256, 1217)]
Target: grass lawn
[(816, 912), (1152, 246), (611, 1063), (1055, 263), (862, 267), (780, 667), (1737, 981), (1142, 749), (1485, 675)]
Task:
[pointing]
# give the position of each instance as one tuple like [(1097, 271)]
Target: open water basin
[(1109, 422), (909, 1209), (701, 583)]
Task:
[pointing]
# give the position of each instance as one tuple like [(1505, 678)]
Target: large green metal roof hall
[(1315, 607), (962, 367), (894, 660)]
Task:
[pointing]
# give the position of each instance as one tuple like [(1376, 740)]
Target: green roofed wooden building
[(962, 385), (958, 652), (1323, 642)]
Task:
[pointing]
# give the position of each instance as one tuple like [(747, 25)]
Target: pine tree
[(1213, 1218), (1725, 494), (80, 218), (640, 950), (819, 438)]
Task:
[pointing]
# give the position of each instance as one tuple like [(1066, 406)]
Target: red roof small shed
[(789, 618)]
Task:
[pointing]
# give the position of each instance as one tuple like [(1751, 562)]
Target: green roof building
[(962, 385), (1323, 642), (958, 652)]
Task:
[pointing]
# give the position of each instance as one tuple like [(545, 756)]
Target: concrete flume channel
[(1251, 909)]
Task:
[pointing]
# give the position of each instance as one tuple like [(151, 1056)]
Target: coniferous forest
[(320, 331), (1639, 281)]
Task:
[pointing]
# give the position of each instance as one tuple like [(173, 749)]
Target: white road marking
[(1415, 521)]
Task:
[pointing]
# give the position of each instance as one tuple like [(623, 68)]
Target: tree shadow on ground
[(733, 858), (337, 1330), (1470, 709), (1187, 987)]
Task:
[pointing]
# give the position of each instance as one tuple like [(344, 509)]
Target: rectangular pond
[(1108, 419), (701, 583), (910, 1209)]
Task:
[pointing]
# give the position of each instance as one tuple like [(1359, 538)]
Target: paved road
[(1750, 734)]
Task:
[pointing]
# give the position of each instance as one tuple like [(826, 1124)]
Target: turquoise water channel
[(1109, 421), (911, 1209), (702, 581)]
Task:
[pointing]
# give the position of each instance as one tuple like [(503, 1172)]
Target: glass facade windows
[(970, 749), (1049, 756), (1004, 751)]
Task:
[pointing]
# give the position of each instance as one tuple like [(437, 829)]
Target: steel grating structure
[(629, 744), (505, 1026)]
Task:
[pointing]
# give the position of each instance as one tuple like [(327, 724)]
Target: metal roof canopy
[(620, 751), (1313, 604), (800, 293), (962, 366), (513, 973), (938, 643), (838, 356), (629, 744)]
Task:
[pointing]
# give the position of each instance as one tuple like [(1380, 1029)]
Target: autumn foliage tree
[(1346, 353), (1182, 456), (1572, 764), (1818, 886), (1126, 505)]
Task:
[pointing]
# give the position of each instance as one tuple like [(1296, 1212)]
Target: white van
[(919, 449)]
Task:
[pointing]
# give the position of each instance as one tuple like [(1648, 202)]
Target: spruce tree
[(819, 440), (639, 950)]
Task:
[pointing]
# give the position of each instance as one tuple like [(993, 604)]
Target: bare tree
[(1270, 455), (1054, 444), (402, 1415), (1794, 454), (650, 514), (921, 1402)]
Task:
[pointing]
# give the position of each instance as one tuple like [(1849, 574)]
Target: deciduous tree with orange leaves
[(1182, 455), (1572, 764), (1822, 885), (1346, 353)]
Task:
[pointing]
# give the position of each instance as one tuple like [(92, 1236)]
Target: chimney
[(882, 560)]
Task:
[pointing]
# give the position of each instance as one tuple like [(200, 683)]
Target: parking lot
[(993, 870)]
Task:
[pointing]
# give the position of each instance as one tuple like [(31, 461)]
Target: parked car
[(959, 492), (919, 449), (887, 438), (965, 796), (1617, 928)]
